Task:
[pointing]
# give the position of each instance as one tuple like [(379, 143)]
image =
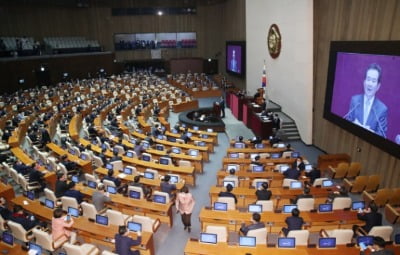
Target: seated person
[(293, 222), (256, 140), (115, 156), (37, 176), (21, 168), (306, 194), (100, 197), (371, 216), (256, 224), (71, 192), (299, 164), (228, 193), (263, 193), (167, 187), (256, 161), (4, 211), (19, 216), (123, 242), (146, 189), (288, 147), (60, 227), (292, 173), (110, 177), (232, 175), (315, 173), (61, 184), (69, 165), (378, 247), (341, 193)]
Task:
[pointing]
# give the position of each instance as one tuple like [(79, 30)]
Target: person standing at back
[(184, 205)]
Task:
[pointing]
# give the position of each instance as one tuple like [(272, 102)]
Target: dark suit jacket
[(381, 252), (62, 187), (167, 187), (301, 196), (123, 245), (294, 223), (292, 173), (26, 223), (227, 194), (313, 174), (246, 229), (371, 219), (263, 194)]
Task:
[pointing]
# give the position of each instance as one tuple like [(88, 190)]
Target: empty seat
[(340, 171), (84, 249), (220, 231), (260, 235), (354, 170), (373, 183), (340, 203), (229, 200), (148, 224), (267, 205), (343, 236), (45, 240), (117, 218), (305, 204), (380, 198), (301, 236), (356, 186)]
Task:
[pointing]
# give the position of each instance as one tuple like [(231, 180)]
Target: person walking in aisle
[(184, 205)]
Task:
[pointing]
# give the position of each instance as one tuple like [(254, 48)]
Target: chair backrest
[(286, 182), (305, 204), (74, 249), (97, 162), (88, 210), (383, 231), (69, 202), (300, 235), (2, 224), (229, 200), (49, 194), (395, 198), (160, 193), (318, 181), (90, 177), (220, 231), (184, 163), (286, 154), (233, 179), (137, 189), (87, 155), (359, 184), (260, 234), (43, 239), (120, 149), (373, 183), (117, 165), (267, 205), (340, 203), (108, 183), (343, 236), (148, 224), (341, 170), (116, 217), (354, 169), (382, 196), (105, 252), (18, 231)]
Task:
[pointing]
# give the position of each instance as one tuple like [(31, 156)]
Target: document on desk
[(121, 175)]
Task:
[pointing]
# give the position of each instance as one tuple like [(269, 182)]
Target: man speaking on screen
[(365, 109)]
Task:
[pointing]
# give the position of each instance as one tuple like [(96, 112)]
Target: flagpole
[(264, 85)]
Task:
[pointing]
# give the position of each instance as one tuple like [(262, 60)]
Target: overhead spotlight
[(209, 60), (101, 70), (160, 13), (21, 81), (65, 75), (42, 69)]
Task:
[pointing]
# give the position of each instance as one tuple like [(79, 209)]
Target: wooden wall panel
[(351, 20)]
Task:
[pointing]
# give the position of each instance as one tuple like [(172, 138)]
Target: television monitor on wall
[(236, 58), (364, 75)]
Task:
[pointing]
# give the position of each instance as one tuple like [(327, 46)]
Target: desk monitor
[(188, 134), (308, 168), (195, 128), (208, 238), (134, 194), (129, 154), (249, 241), (127, 170), (255, 208), (159, 147), (286, 242), (146, 158), (83, 156), (327, 243), (283, 168), (49, 203), (101, 220), (148, 175), (75, 178), (220, 206), (164, 161), (94, 142), (367, 240), (176, 150), (236, 167), (275, 155), (30, 195), (253, 156), (258, 169), (233, 155), (296, 185), (210, 130), (295, 154), (74, 212), (109, 166), (357, 205), (133, 140), (115, 150), (145, 145), (397, 239), (225, 183), (92, 184), (160, 199), (35, 249), (111, 190), (171, 139), (288, 208), (281, 145), (239, 145), (71, 151), (203, 135), (160, 137), (259, 146), (327, 183), (259, 184), (134, 226), (324, 208), (201, 143), (174, 131), (103, 146), (174, 178), (194, 153), (7, 238)]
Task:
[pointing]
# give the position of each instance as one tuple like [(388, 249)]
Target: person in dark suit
[(115, 156), (61, 184), (146, 189), (103, 156), (110, 177), (371, 216), (228, 193), (222, 106), (4, 211), (299, 164), (292, 173), (306, 194), (263, 193), (341, 193), (71, 192), (256, 161), (378, 247), (27, 222), (37, 176), (45, 137), (123, 242), (256, 224), (293, 222), (167, 187), (314, 174)]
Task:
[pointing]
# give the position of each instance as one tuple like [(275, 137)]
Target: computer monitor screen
[(295, 154), (397, 239), (259, 146), (189, 134), (258, 169), (92, 184), (146, 158), (30, 195), (49, 203), (174, 131), (233, 155), (8, 238), (235, 167), (129, 154), (327, 183), (275, 155), (102, 220), (325, 208), (255, 208), (239, 145), (219, 206), (210, 130), (83, 156), (229, 182), (109, 166), (161, 137), (296, 185), (367, 240), (286, 242), (288, 208), (159, 147), (133, 140), (208, 238), (249, 241), (253, 156), (201, 143), (203, 135), (176, 150), (259, 184), (193, 153), (164, 161), (71, 151), (73, 211), (134, 194), (134, 226), (358, 205), (174, 179), (148, 175), (283, 168), (159, 199), (327, 242), (128, 170), (281, 145), (195, 128), (75, 178), (111, 190), (145, 145), (172, 139), (308, 168), (35, 249), (103, 146)]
